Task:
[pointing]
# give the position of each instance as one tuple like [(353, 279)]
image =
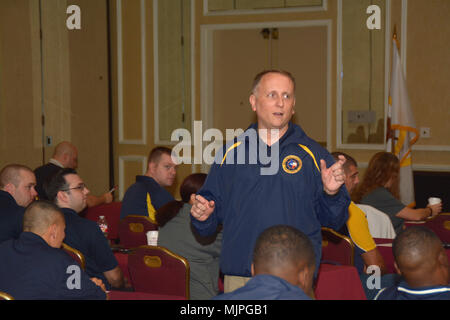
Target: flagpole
[(391, 133)]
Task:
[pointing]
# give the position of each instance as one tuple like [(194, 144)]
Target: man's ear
[(151, 167), (397, 269), (252, 100), (305, 280), (62, 197), (10, 188), (252, 269)]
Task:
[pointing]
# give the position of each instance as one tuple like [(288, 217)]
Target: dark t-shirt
[(384, 201), (85, 236), (11, 216)]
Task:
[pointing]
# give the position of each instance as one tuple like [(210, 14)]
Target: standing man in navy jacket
[(17, 191), (148, 193), (300, 185)]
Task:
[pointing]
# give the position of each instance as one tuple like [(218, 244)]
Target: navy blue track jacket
[(247, 202)]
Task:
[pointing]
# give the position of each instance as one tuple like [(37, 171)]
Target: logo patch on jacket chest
[(292, 164)]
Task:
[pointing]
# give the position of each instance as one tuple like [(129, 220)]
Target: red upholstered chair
[(157, 270), (75, 254), (441, 226), (133, 230), (111, 211), (337, 248), (5, 296)]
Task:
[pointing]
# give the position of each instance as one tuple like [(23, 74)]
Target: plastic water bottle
[(103, 225)]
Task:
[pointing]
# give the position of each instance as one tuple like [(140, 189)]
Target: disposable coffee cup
[(434, 200), (152, 238)]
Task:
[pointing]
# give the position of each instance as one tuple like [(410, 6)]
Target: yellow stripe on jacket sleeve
[(237, 144), (311, 154), (150, 209), (358, 228)]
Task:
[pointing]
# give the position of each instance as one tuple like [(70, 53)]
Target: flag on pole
[(401, 127)]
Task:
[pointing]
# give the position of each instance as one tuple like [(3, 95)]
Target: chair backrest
[(337, 248), (5, 296), (75, 254), (133, 230), (380, 225), (158, 270), (111, 211)]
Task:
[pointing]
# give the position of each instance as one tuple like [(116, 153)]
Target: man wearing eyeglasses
[(67, 190), (65, 156), (17, 191)]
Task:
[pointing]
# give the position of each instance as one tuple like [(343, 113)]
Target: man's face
[(273, 101), (76, 193), (164, 172), (25, 193), (352, 178)]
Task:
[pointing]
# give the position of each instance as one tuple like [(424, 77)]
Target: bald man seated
[(421, 260), (282, 269), (34, 267), (64, 156)]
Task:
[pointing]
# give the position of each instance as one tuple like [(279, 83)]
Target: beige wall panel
[(303, 51), (363, 61), (428, 67), (240, 54), (89, 94), (236, 61), (20, 108), (131, 169), (56, 72), (132, 70)]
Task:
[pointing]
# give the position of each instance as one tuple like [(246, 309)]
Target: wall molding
[(206, 68), (157, 139), (207, 72), (206, 12), (121, 107), (339, 73), (122, 160)]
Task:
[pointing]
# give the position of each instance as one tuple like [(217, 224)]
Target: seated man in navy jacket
[(147, 194), (68, 191), (282, 269), (34, 266), (17, 191), (422, 262)]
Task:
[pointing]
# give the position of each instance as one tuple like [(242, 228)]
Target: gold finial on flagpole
[(394, 37)]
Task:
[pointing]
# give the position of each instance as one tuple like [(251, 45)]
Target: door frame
[(207, 64)]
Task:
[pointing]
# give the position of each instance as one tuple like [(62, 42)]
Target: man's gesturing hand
[(201, 208), (332, 177)]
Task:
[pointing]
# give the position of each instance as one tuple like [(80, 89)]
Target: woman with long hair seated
[(177, 235), (380, 189)]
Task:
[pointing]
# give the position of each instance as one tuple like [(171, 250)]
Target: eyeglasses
[(81, 187)]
